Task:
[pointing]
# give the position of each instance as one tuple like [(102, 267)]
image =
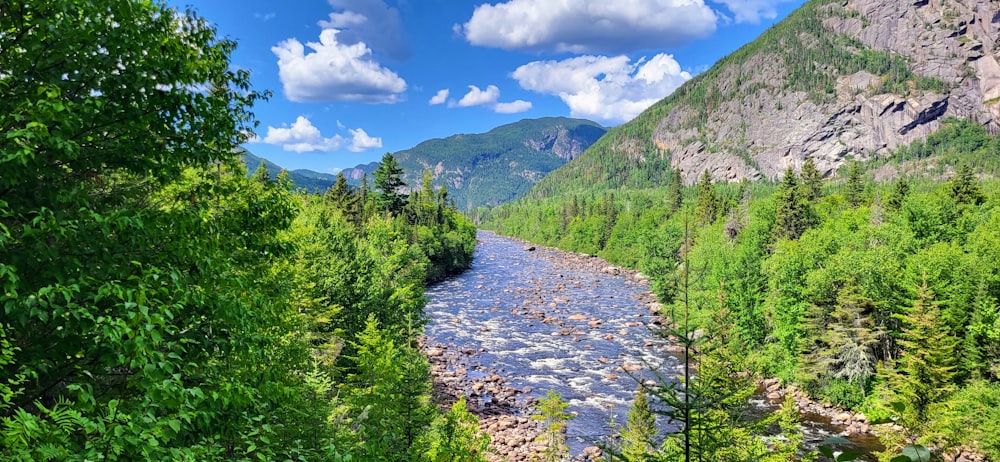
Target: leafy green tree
[(389, 181), (136, 254), (458, 438)]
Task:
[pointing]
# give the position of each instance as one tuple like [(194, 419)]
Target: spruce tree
[(792, 214), (640, 429), (707, 204), (812, 181), (675, 196), (964, 187), (926, 367), (389, 181), (900, 189), (855, 184)]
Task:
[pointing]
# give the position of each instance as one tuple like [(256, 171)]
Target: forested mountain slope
[(834, 80), (497, 166), (301, 178)]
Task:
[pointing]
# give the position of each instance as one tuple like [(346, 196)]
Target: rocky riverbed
[(525, 320)]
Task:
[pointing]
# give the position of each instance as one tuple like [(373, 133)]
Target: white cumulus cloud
[(589, 26), (334, 72), (490, 98), (370, 21), (303, 136), (439, 98), (605, 88), (752, 11), (477, 97), (512, 107), (360, 141)]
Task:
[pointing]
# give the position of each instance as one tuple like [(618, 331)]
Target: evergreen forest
[(878, 297)]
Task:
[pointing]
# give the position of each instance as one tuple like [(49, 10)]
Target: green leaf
[(917, 453)]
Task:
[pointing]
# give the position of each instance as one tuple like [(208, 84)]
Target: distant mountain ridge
[(834, 80), (302, 178), (497, 166)]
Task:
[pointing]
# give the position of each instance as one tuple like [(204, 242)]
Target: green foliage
[(458, 438), (793, 214), (552, 412), (639, 433), (707, 205), (388, 181), (158, 302), (926, 367)]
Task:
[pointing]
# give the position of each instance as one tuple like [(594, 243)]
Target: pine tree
[(389, 181), (791, 218), (855, 184), (964, 187), (926, 368), (812, 181), (675, 196), (707, 204), (900, 189), (640, 429)]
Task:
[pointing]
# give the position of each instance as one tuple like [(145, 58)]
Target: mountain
[(835, 80), (497, 166), (302, 178)]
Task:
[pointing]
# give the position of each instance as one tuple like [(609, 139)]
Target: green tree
[(964, 187), (640, 429), (388, 398), (389, 181), (927, 364), (812, 181), (900, 189), (855, 184), (792, 216), (675, 197), (707, 204), (136, 255), (458, 438), (552, 412)]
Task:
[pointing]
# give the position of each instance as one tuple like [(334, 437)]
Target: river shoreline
[(504, 403)]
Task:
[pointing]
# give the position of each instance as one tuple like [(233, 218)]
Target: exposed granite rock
[(767, 128)]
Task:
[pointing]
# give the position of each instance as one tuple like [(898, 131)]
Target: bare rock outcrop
[(764, 125)]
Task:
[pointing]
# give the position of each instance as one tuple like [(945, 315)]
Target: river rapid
[(522, 322)]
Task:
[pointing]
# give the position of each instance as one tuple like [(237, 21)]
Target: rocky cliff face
[(837, 79), (949, 46)]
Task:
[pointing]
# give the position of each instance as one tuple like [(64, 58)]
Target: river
[(526, 322)]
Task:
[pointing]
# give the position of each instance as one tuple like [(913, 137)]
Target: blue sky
[(354, 79)]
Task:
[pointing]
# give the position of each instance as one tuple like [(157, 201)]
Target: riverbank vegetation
[(159, 303), (876, 296)]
